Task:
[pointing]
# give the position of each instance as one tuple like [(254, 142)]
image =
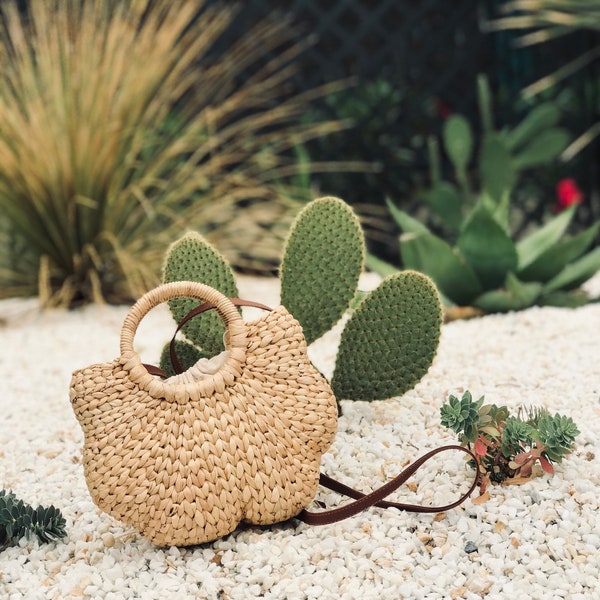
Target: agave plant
[(119, 128), (481, 265)]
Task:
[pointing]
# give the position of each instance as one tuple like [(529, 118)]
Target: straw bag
[(185, 460)]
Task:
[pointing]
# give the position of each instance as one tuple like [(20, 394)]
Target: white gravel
[(540, 540)]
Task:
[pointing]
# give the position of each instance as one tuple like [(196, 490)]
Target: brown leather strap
[(175, 362), (363, 501)]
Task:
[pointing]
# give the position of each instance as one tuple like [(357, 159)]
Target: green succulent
[(476, 262), (515, 435), (462, 416), (507, 446), (391, 334), (18, 519), (557, 435)]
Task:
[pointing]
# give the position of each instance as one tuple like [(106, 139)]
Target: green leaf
[(380, 266), (406, 223), (487, 248), (576, 273), (548, 264), (390, 340), (541, 118), (565, 299), (543, 148), (458, 141), (445, 200), (516, 295), (534, 245), (323, 259), (497, 171), (431, 255), (484, 98)]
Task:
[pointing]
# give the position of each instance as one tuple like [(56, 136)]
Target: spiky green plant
[(392, 333), (544, 21), (18, 520), (507, 446), (477, 262), (119, 129)]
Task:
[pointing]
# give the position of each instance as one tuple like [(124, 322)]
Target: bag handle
[(175, 362), (236, 342), (376, 498)]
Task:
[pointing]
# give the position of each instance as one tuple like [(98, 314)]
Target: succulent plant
[(556, 434), (462, 416), (508, 446), (391, 335), (477, 263), (18, 519), (515, 436)]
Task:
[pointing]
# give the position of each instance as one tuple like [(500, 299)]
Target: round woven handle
[(236, 339)]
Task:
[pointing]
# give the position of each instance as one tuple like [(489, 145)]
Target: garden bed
[(538, 540)]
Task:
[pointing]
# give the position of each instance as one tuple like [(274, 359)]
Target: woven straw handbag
[(238, 438), (186, 463)]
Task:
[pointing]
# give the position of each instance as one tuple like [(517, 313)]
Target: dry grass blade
[(119, 129), (547, 20)]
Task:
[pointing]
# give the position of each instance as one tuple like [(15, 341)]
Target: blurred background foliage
[(279, 102), (413, 64)]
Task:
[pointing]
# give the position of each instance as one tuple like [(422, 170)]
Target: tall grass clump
[(119, 129)]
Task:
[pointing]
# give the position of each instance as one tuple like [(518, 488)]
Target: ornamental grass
[(121, 127)]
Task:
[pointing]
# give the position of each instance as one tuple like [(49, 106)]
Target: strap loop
[(376, 498)]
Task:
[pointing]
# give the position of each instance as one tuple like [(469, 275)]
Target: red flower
[(442, 109), (567, 194)]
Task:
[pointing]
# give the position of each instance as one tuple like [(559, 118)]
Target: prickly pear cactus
[(390, 341), (323, 259), (192, 258), (391, 337)]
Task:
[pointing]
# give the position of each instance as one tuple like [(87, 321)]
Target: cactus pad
[(192, 258), (390, 341), (187, 354), (323, 259)]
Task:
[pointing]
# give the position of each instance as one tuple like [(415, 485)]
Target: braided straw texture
[(186, 463)]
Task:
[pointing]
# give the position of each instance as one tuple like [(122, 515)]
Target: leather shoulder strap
[(376, 498)]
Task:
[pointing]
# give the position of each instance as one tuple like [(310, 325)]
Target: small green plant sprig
[(507, 447), (18, 519)]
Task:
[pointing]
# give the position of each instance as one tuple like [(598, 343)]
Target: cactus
[(390, 340), (192, 258), (187, 353), (323, 259), (392, 333)]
